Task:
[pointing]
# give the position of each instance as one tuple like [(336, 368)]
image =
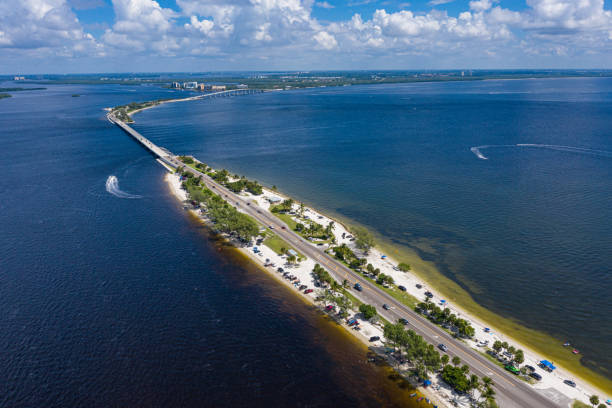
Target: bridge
[(511, 392)]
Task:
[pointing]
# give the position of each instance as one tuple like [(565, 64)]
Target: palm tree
[(444, 359), (473, 385), (456, 361)]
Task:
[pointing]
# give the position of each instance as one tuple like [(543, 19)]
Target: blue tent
[(547, 364), (426, 383)]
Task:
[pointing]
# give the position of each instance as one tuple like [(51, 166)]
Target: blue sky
[(59, 36)]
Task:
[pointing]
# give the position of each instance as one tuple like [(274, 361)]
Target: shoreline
[(174, 187), (469, 309)]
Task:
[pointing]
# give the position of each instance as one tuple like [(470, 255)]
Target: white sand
[(552, 383)]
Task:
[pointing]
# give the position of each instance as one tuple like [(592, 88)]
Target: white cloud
[(325, 40), (49, 25), (324, 4), (285, 31), (439, 2)]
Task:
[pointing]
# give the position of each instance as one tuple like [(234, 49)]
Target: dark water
[(107, 301), (528, 232)]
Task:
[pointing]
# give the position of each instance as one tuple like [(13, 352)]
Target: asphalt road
[(511, 391)]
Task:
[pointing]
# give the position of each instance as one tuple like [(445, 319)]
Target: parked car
[(419, 286), (529, 368), (307, 291), (402, 288), (279, 269), (443, 347), (570, 383), (386, 306), (536, 376), (512, 369), (374, 338), (302, 287), (358, 287), (429, 294)]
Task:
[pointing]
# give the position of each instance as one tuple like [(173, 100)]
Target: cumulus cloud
[(43, 24), (325, 40), (279, 30)]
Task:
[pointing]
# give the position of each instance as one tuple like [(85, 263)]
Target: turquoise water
[(505, 185)]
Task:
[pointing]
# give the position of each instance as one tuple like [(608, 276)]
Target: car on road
[(283, 227), (429, 294), (536, 376), (248, 203), (419, 286), (570, 383), (358, 287), (403, 321), (386, 306), (307, 291), (402, 288), (271, 227), (374, 338), (258, 212), (443, 347)]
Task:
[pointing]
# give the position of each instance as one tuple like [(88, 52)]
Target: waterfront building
[(201, 86), (242, 86), (176, 85), (190, 85), (218, 87)]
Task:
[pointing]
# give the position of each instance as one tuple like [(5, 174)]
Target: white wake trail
[(112, 186), (477, 150), (478, 153)]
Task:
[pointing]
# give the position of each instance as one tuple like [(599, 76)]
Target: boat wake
[(477, 150), (112, 186)]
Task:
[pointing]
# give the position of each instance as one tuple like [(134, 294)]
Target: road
[(511, 391)]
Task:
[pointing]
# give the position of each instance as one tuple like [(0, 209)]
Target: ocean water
[(111, 295), (505, 185)]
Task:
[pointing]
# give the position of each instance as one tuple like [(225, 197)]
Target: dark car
[(386, 306), (374, 338), (307, 291), (570, 383), (402, 288), (536, 376), (403, 321), (283, 227), (302, 287), (358, 287), (280, 270), (529, 368), (429, 294), (443, 347), (419, 286)]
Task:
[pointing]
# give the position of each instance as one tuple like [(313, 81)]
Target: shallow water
[(527, 232), (115, 300)]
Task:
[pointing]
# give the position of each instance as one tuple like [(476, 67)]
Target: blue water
[(527, 232), (121, 299)]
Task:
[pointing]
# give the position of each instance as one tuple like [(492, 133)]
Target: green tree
[(456, 361), (444, 359), (505, 345), (368, 311), (404, 267), (519, 357), (594, 400), (497, 346), (364, 240)]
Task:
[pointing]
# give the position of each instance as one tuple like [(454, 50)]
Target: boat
[(575, 351), (420, 398), (413, 395), (566, 344)]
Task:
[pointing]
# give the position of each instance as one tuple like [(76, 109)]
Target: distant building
[(176, 85), (242, 86), (19, 78), (218, 87), (292, 252), (190, 85), (274, 200), (201, 86)]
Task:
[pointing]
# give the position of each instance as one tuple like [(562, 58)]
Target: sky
[(96, 36)]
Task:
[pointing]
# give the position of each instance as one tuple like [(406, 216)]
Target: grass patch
[(275, 243), (286, 218), (580, 404)]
